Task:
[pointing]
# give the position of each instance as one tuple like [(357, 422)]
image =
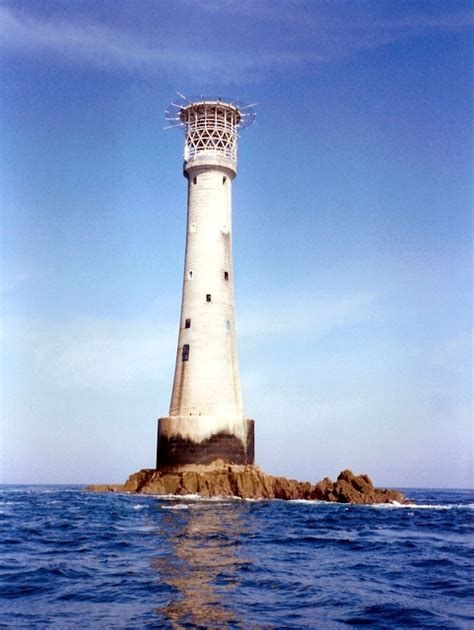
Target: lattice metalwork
[(210, 125)]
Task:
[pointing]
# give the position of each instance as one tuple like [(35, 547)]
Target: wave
[(198, 498), (313, 502), (177, 506), (94, 560), (392, 505), (424, 506)]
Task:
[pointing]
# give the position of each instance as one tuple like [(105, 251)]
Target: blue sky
[(352, 232)]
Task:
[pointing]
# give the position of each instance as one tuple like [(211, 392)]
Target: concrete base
[(204, 440)]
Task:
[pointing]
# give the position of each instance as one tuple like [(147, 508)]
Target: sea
[(73, 559)]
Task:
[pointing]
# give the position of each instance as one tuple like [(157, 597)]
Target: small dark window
[(185, 355), (195, 180), (226, 275), (187, 323), (190, 274), (224, 179), (208, 297)]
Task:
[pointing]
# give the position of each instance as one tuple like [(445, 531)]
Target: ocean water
[(70, 559)]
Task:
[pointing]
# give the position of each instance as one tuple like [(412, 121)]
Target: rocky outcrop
[(350, 488), (249, 482)]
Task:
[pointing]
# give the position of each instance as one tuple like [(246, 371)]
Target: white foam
[(392, 504), (177, 506), (196, 497), (425, 506), (146, 528)]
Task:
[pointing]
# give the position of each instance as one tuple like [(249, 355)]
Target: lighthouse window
[(208, 297), (226, 275), (185, 355), (224, 179), (194, 180), (227, 324), (187, 323), (190, 274)]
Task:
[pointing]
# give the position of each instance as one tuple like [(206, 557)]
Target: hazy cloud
[(93, 352), (13, 281), (318, 314), (283, 35), (110, 48)]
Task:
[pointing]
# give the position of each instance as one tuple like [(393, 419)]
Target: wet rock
[(249, 482), (322, 491), (137, 480), (189, 482), (350, 488)]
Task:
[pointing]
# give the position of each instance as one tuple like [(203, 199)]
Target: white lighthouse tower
[(206, 420)]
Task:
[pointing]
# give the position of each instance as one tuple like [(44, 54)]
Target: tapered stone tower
[(206, 420)]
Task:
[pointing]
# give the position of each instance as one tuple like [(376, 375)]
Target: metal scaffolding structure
[(211, 125)]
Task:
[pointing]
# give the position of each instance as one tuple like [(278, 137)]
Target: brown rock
[(282, 489), (154, 485), (249, 482), (189, 482), (390, 496), (305, 490), (346, 493), (171, 483), (345, 475), (115, 487), (136, 481), (323, 490)]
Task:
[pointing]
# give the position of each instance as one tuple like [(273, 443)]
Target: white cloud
[(110, 48), (94, 43), (308, 37)]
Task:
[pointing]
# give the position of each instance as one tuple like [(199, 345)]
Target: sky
[(352, 232)]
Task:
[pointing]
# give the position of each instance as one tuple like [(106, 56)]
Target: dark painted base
[(176, 451)]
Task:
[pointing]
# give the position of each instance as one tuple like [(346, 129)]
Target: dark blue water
[(72, 559)]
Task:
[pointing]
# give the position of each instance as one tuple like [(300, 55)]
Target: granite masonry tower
[(206, 420)]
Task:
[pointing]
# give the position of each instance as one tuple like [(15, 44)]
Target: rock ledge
[(249, 482)]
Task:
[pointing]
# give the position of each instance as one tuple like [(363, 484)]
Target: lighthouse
[(206, 421)]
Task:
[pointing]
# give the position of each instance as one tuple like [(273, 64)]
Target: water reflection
[(203, 561)]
